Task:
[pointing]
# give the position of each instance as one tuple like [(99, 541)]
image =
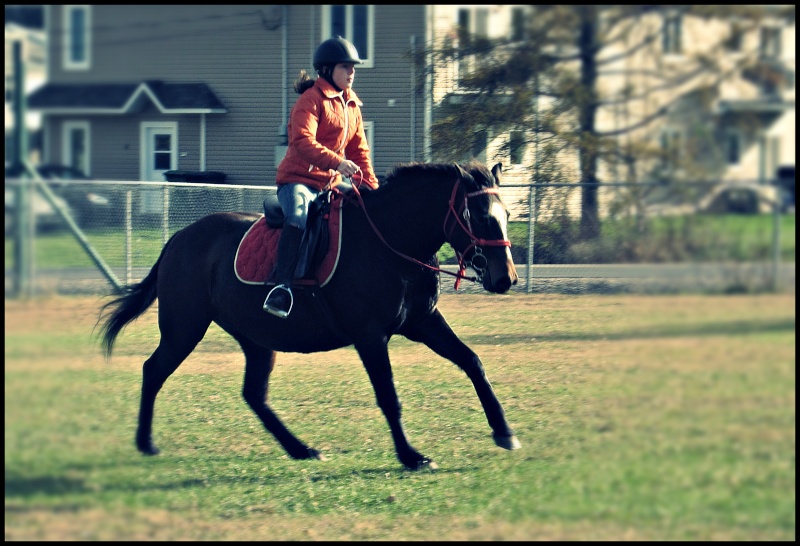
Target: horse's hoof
[(428, 465), (422, 464), (507, 442), (314, 454), (149, 450), (318, 455)]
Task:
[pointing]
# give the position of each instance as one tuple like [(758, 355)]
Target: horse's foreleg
[(437, 334), (375, 357), (259, 363)]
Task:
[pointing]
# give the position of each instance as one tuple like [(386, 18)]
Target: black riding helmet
[(333, 51)]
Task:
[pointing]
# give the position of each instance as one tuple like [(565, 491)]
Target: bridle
[(477, 261), (475, 243)]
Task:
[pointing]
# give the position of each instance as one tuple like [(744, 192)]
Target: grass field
[(641, 418)]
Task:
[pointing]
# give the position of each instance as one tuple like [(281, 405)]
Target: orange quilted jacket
[(325, 127)]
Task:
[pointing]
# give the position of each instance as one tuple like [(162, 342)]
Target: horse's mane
[(427, 171)]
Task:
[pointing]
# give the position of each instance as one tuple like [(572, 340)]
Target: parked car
[(744, 198), (46, 217), (728, 198), (86, 205), (91, 204)]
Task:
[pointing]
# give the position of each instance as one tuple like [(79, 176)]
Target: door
[(159, 155)]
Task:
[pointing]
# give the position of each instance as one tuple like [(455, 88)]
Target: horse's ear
[(462, 173), (497, 170)]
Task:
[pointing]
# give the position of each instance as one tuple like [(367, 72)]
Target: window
[(77, 37), (75, 145), (9, 88), (162, 152), (369, 132), (463, 43), (672, 34), (470, 21), (479, 144), (670, 148), (770, 46), (733, 148), (354, 23), (517, 24), (734, 41), (516, 144)]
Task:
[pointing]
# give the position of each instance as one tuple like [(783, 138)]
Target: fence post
[(531, 227), (128, 237), (776, 239), (165, 217), (24, 237)]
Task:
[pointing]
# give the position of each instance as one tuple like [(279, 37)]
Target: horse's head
[(477, 227)]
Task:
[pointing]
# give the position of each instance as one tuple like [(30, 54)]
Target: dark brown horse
[(386, 283)]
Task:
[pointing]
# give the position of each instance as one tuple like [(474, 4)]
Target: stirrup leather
[(279, 312)]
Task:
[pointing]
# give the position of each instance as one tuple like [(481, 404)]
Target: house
[(690, 97), (23, 26), (134, 91)]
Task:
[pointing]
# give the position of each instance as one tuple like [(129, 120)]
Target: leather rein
[(475, 242)]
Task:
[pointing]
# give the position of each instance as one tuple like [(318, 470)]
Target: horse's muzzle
[(500, 276)]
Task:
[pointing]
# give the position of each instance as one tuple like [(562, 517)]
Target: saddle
[(319, 248), (314, 243)]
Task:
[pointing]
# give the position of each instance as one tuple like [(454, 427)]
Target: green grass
[(645, 418), (60, 249)]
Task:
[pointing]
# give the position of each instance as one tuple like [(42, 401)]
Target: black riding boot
[(279, 300)]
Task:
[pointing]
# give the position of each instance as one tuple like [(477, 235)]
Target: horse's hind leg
[(178, 340), (437, 334), (164, 360), (259, 362)]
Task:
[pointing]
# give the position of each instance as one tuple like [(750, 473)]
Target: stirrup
[(275, 311)]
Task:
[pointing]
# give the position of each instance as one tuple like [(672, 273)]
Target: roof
[(124, 98), (26, 16)]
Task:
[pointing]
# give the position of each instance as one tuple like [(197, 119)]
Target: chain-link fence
[(91, 236)]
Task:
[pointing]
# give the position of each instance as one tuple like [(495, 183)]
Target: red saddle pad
[(255, 257)]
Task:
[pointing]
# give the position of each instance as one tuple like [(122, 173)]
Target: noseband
[(477, 261)]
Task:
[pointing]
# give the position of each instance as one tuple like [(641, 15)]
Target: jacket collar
[(329, 91)]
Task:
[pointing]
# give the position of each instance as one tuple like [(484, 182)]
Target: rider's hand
[(348, 168)]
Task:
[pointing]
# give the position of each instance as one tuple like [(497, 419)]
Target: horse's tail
[(135, 300)]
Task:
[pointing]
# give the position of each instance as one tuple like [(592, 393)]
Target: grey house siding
[(238, 51), (389, 78), (392, 79)]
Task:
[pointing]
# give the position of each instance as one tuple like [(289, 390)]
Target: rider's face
[(343, 75)]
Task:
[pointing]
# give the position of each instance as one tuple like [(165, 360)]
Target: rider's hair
[(303, 83)]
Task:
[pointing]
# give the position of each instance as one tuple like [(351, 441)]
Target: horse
[(386, 283)]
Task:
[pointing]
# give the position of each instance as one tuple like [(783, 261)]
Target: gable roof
[(124, 98)]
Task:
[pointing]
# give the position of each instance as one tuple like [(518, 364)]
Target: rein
[(475, 242)]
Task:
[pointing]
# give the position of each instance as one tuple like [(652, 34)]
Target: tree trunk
[(590, 220)]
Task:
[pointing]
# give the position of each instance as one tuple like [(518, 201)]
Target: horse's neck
[(411, 218)]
